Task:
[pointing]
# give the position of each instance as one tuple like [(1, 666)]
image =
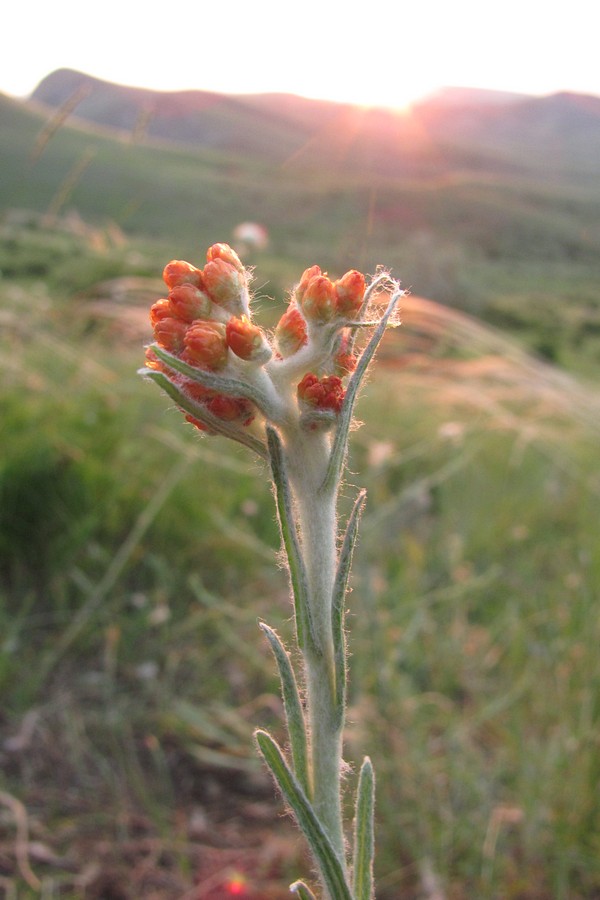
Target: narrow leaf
[(289, 535), (330, 867), (364, 840), (372, 287), (224, 384), (338, 607), (220, 426), (338, 451), (293, 709), (304, 892)]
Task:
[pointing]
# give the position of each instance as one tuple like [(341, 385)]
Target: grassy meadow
[(136, 557)]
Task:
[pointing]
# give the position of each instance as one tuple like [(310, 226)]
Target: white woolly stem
[(308, 455)]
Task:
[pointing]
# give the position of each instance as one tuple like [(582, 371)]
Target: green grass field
[(136, 558)]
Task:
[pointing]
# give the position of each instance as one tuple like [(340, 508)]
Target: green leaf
[(364, 840), (340, 587), (330, 866), (289, 535), (224, 384), (340, 441), (213, 423), (304, 892), (293, 709)]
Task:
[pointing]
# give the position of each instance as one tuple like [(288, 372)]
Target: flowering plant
[(290, 397)]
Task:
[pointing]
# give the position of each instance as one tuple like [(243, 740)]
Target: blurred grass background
[(136, 558)]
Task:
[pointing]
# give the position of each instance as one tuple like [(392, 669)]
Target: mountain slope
[(457, 129)]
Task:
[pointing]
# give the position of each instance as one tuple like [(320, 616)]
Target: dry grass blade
[(21, 839), (482, 354)]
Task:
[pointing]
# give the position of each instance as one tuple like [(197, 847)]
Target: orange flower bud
[(344, 360), (170, 334), (349, 290), (205, 344), (189, 302), (290, 332), (321, 393), (199, 425), (307, 276), (224, 284), (161, 310), (193, 390), (231, 409), (178, 272), (247, 340), (152, 360), (226, 253), (319, 299)]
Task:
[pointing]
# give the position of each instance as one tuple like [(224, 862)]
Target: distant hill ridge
[(485, 129)]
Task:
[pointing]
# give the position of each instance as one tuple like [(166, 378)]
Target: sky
[(376, 52)]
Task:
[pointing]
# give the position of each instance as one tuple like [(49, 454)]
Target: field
[(136, 558)]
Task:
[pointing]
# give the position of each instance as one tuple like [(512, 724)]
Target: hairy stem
[(308, 456)]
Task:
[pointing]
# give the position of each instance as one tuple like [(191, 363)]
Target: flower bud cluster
[(322, 300), (198, 323), (227, 369)]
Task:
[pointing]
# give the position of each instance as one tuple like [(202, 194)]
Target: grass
[(483, 646), (135, 558), (518, 250), (131, 663)]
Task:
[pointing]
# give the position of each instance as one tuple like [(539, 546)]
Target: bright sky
[(379, 52)]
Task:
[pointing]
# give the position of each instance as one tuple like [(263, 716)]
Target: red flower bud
[(199, 425), (225, 284), (307, 276), (231, 409), (178, 272), (226, 253), (349, 290), (162, 309), (170, 334), (319, 300), (152, 360), (344, 360), (247, 340), (189, 302), (322, 393), (193, 390), (205, 344), (290, 332)]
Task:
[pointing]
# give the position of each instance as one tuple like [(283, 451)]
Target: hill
[(483, 228), (456, 128)]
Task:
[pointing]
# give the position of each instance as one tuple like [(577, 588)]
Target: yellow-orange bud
[(205, 344), (178, 272), (290, 332), (247, 340), (170, 334), (349, 291), (189, 302), (226, 253), (162, 309), (319, 300), (307, 276), (225, 284), (152, 360)]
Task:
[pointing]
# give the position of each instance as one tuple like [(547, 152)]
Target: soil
[(232, 840)]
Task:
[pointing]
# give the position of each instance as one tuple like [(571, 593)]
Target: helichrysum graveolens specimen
[(289, 397)]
